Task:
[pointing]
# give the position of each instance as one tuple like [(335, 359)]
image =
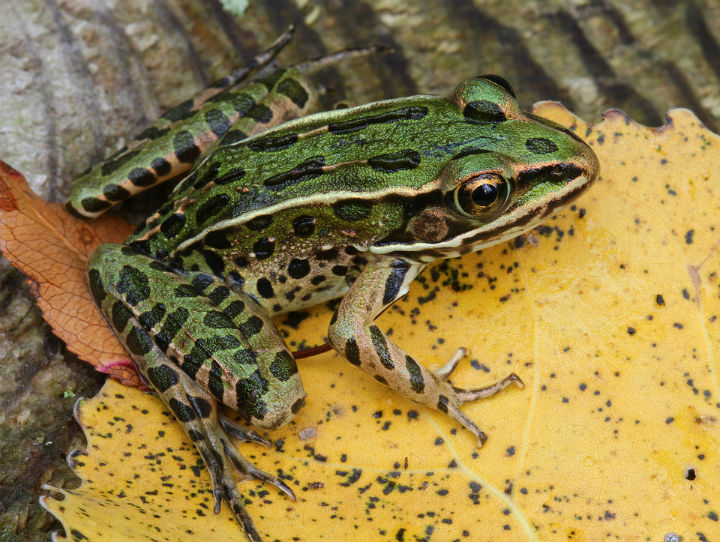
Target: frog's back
[(325, 159)]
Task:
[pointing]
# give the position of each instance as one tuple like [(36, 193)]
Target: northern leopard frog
[(276, 216)]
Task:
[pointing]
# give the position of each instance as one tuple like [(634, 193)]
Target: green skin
[(349, 203)]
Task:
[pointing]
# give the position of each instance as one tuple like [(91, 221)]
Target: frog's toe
[(241, 433), (455, 413), (444, 372), (224, 485), (235, 501), (452, 404), (465, 396), (246, 468)]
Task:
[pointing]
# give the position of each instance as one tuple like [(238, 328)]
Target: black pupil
[(485, 194)]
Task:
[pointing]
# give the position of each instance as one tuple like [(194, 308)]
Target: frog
[(278, 208)]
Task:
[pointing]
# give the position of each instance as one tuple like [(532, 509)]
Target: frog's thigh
[(223, 340)]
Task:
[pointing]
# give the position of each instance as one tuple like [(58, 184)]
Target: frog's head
[(523, 169)]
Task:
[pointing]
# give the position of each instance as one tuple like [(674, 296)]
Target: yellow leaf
[(608, 313)]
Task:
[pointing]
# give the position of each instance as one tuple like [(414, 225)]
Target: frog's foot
[(198, 412), (460, 395), (243, 434)]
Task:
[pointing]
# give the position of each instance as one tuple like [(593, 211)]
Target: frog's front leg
[(196, 342), (354, 334)]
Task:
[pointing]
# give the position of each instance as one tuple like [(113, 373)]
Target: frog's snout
[(587, 161)]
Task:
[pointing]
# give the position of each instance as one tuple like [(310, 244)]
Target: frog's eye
[(500, 81), (482, 196)]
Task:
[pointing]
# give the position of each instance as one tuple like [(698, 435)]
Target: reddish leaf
[(51, 248)]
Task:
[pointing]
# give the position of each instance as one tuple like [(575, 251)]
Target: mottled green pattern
[(168, 148), (289, 162)]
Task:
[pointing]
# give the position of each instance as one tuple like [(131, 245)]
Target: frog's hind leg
[(353, 333), (198, 413), (196, 342), (167, 149)]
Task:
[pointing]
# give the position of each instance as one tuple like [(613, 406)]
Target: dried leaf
[(51, 248), (609, 314)]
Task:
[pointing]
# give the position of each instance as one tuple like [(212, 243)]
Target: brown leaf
[(51, 248)]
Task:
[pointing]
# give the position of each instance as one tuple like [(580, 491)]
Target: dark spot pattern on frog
[(217, 121), (142, 177), (162, 377), (161, 166)]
